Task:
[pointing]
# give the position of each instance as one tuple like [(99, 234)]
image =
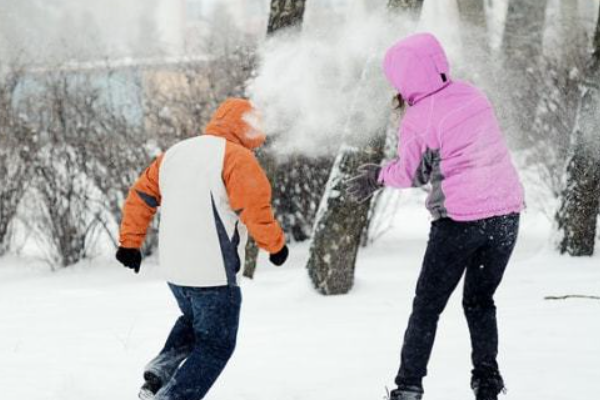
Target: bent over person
[(211, 191), (450, 139)]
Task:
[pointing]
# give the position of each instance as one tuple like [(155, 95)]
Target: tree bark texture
[(285, 14), (340, 222), (578, 215)]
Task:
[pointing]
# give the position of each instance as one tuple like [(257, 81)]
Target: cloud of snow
[(325, 86)]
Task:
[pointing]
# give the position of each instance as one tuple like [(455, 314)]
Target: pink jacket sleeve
[(410, 169)]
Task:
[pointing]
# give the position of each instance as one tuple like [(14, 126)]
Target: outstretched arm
[(412, 168)]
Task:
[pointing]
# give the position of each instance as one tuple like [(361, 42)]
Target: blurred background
[(91, 91)]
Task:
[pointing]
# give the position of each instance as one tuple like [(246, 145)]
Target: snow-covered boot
[(487, 388), (407, 393), (150, 387)]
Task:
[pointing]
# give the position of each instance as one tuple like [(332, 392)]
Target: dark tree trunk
[(578, 214), (521, 55), (284, 14), (251, 258), (340, 222)]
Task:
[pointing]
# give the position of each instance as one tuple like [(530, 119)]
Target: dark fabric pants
[(482, 249), (200, 343)]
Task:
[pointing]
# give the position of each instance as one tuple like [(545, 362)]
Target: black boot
[(150, 387), (488, 387), (407, 393)]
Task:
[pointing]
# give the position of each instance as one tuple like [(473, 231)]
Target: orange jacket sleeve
[(249, 194), (140, 206)]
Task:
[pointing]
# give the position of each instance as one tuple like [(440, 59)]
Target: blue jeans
[(200, 343)]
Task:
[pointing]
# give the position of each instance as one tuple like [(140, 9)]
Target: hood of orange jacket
[(237, 120)]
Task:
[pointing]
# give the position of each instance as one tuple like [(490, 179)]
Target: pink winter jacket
[(449, 137)]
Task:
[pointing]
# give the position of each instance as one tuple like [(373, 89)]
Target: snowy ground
[(86, 332)]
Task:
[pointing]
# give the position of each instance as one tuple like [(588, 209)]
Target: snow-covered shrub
[(118, 149), (62, 109), (17, 145)]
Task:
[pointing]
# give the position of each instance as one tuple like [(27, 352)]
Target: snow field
[(86, 332)]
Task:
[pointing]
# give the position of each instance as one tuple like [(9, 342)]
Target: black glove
[(365, 183), (280, 257), (130, 258)]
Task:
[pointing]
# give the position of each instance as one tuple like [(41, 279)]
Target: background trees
[(522, 45), (74, 135), (580, 202), (17, 149)]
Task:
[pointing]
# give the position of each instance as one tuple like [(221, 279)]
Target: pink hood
[(417, 67)]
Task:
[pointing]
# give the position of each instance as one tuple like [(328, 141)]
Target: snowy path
[(85, 333)]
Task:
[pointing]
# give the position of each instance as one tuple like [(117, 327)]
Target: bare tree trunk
[(285, 14), (340, 222), (578, 214)]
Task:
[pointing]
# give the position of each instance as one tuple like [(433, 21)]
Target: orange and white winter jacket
[(211, 191)]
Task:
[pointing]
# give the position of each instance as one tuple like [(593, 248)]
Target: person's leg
[(450, 248), (216, 321), (482, 278), (178, 346)]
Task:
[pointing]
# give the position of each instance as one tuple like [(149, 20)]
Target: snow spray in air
[(325, 86)]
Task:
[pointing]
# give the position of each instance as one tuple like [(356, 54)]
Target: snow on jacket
[(211, 191), (449, 138)]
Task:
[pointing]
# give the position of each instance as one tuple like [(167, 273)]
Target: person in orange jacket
[(212, 192)]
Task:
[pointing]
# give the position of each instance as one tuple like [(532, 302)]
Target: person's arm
[(412, 168), (249, 193), (140, 207)]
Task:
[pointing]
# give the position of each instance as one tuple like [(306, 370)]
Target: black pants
[(482, 249)]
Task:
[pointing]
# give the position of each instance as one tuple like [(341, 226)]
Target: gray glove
[(365, 183)]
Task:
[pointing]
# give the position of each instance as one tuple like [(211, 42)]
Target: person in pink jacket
[(450, 140)]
